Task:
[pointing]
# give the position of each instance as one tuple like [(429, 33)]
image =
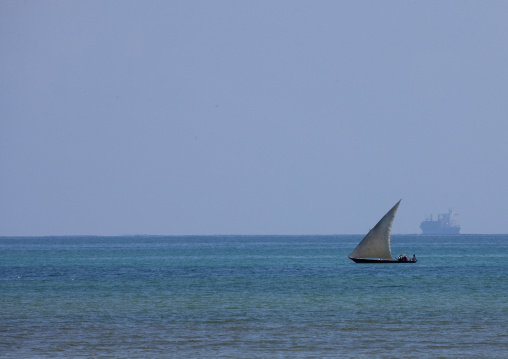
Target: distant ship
[(445, 224)]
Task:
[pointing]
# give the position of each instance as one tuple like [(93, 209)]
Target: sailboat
[(375, 247)]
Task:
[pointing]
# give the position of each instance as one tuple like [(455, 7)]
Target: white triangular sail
[(376, 243)]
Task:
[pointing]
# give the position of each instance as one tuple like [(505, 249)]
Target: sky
[(251, 117)]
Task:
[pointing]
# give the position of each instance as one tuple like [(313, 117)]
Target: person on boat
[(406, 259), (413, 259), (400, 258)]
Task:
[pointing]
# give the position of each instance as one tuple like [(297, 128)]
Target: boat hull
[(378, 260), (435, 227)]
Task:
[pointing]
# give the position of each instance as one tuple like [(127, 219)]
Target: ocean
[(251, 297)]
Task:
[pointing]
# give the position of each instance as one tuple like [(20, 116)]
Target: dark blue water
[(251, 297)]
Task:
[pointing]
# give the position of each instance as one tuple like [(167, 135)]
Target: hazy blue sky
[(251, 117)]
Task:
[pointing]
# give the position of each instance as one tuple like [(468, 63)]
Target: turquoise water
[(251, 297)]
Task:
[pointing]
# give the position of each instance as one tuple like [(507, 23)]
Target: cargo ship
[(445, 224)]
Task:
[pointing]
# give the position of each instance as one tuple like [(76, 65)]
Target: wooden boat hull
[(378, 260)]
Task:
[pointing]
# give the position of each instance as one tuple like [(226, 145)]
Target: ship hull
[(378, 260), (435, 227)]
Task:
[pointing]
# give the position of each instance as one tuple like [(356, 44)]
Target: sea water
[(252, 297)]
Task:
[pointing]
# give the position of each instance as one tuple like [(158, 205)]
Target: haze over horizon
[(285, 117)]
